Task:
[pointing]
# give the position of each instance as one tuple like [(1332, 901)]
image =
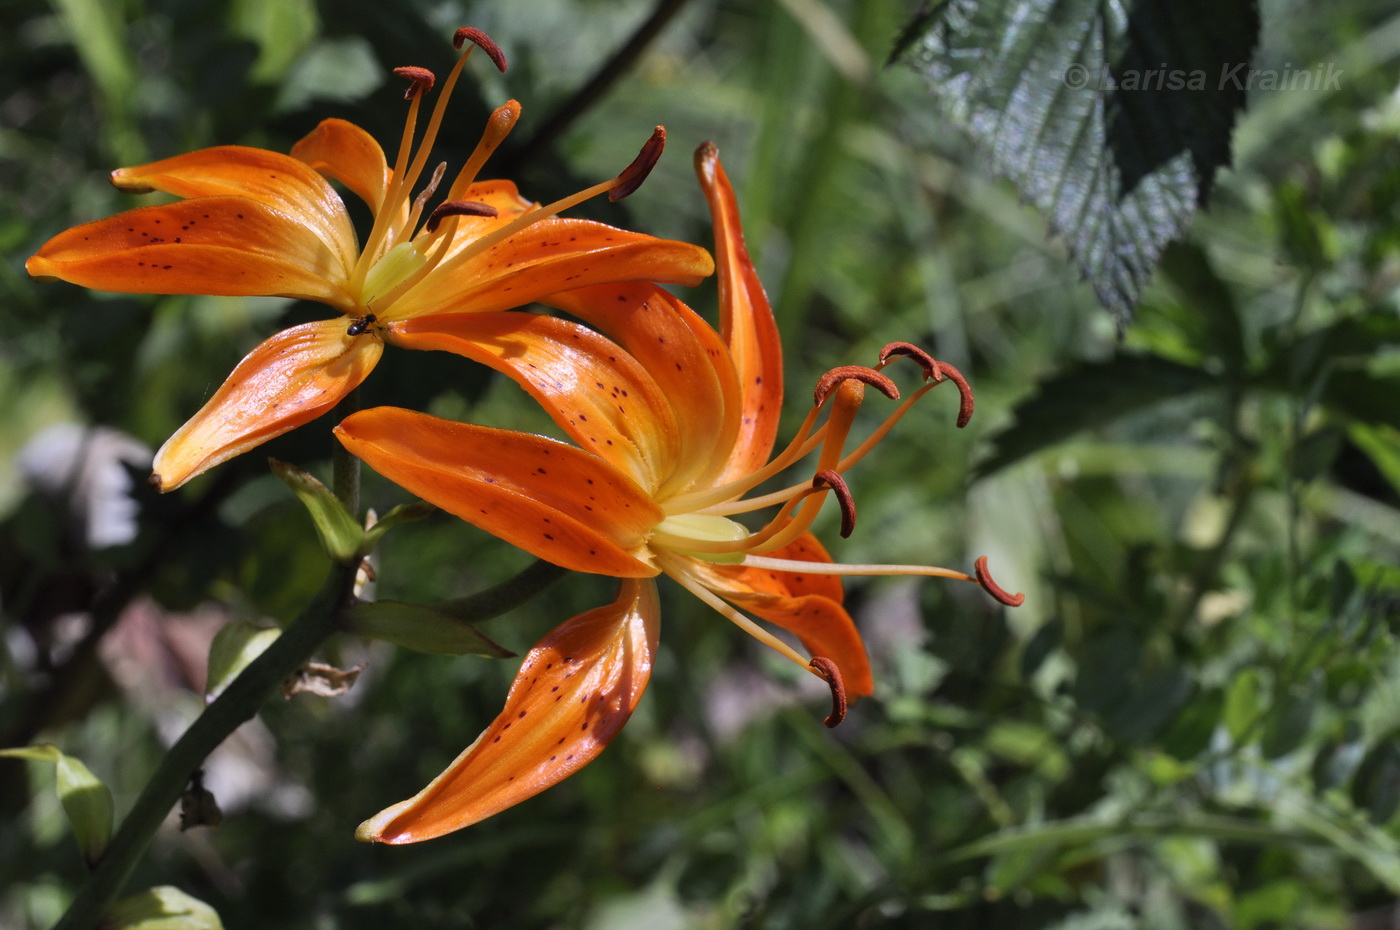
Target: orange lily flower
[(255, 222), (674, 423)]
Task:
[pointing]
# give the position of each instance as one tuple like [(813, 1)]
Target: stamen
[(681, 575), (829, 381), (500, 124), (984, 578), (833, 480), (964, 391), (482, 41), (421, 79), (424, 194), (826, 669), (459, 208), (908, 349), (634, 174)]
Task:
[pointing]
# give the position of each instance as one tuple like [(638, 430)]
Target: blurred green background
[(1193, 720)]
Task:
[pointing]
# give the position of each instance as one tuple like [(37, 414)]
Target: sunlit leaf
[(1112, 120)]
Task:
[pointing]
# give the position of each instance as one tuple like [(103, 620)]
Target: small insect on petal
[(361, 324)]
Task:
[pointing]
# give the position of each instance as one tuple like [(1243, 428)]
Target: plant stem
[(235, 706)]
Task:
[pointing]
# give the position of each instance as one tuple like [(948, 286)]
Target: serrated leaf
[(86, 801), (1086, 397), (422, 628), (1112, 120), (162, 908), (233, 649), (340, 533)]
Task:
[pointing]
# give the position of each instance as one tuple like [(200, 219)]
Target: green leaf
[(162, 908), (340, 533), (86, 800), (233, 649), (1112, 120), (1245, 701), (422, 628), (1086, 397), (281, 30), (404, 513)]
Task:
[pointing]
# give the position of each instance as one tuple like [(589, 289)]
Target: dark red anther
[(964, 392), (932, 370), (833, 480), (833, 378), (634, 174), (827, 670), (458, 208), (482, 41), (984, 578), (421, 80)]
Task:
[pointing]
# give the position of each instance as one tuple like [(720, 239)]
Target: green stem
[(345, 468), (234, 707)]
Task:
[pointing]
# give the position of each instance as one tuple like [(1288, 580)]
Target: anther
[(458, 208), (984, 578), (827, 670), (833, 480), (829, 382), (634, 174), (932, 370), (421, 80), (964, 392), (482, 41)]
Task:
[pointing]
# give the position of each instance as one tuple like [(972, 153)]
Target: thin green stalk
[(234, 707)]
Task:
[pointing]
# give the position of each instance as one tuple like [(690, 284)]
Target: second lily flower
[(674, 423)]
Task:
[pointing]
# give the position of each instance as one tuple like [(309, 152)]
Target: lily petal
[(549, 256), (686, 358), (746, 323), (230, 246), (573, 693), (342, 151), (546, 497), (290, 379), (740, 579), (596, 392), (274, 180)]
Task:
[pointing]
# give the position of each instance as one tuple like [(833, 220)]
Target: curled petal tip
[(828, 672), (634, 174), (833, 379), (420, 80), (122, 182), (833, 480), (984, 578), (482, 41)]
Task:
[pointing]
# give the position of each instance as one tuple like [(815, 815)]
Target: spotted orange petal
[(686, 359), (740, 579), (549, 256), (281, 182), (746, 323), (546, 497), (229, 246), (290, 379), (343, 151), (825, 629), (573, 693), (595, 391)]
